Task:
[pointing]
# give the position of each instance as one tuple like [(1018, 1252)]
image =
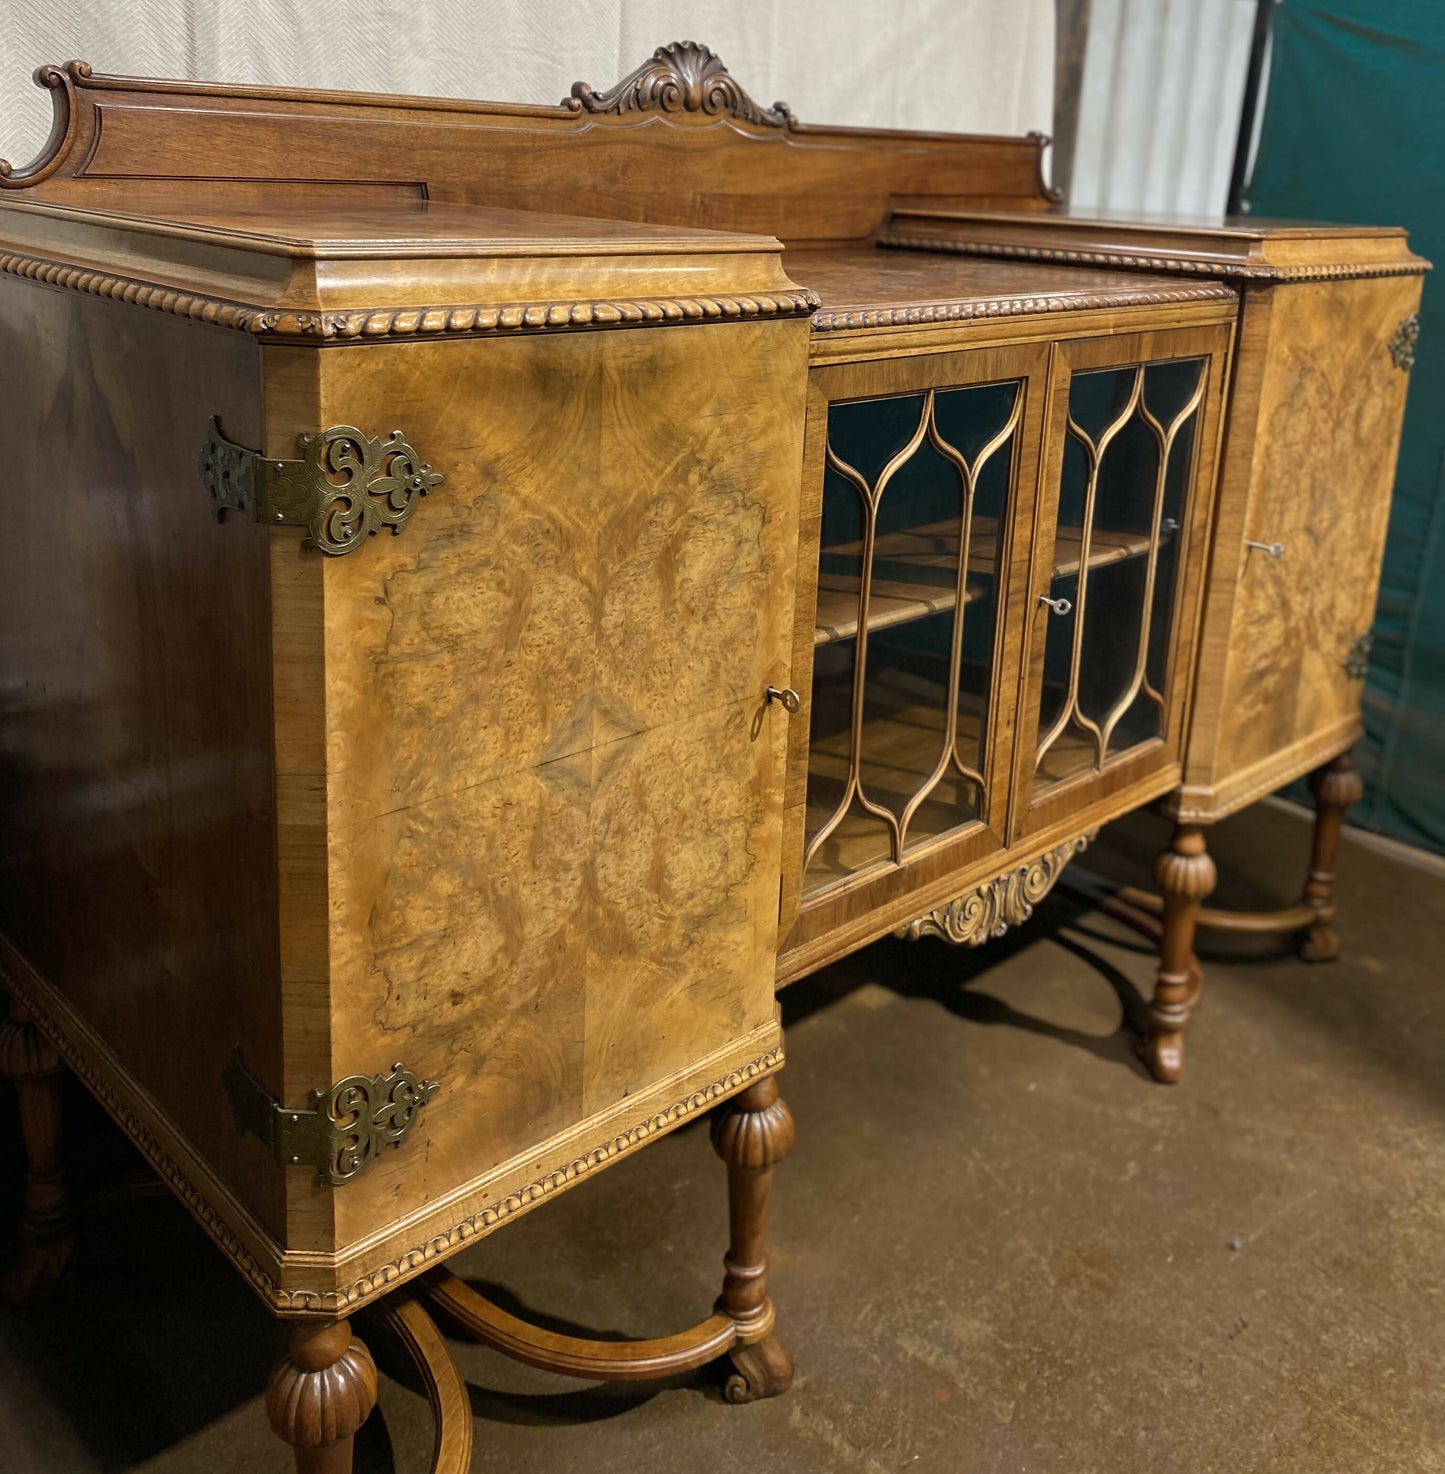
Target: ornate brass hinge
[(347, 486), (1402, 345), (1357, 657), (345, 1126)]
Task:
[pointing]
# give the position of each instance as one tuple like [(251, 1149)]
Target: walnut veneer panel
[(137, 867), (554, 838), (1310, 463)]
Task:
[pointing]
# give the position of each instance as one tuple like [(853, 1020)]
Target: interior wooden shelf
[(901, 745), (915, 573)]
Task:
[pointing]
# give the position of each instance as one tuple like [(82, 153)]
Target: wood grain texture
[(1319, 471), (285, 270), (553, 834), (1236, 248), (138, 844), (881, 289), (694, 167)]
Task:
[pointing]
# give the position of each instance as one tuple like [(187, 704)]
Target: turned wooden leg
[(752, 1135), (1335, 786), (29, 1059), (322, 1392), (1185, 875)]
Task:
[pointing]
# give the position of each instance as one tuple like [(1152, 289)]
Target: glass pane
[(914, 497), (1126, 469)]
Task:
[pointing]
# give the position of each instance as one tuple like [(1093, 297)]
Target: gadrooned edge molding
[(408, 322), (903, 316), (901, 240), (366, 1287)]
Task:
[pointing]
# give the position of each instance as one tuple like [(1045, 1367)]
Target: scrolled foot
[(1163, 1056), (1320, 943), (35, 1274), (761, 1370)]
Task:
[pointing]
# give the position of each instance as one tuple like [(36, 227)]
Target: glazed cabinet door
[(918, 474), (1118, 552)]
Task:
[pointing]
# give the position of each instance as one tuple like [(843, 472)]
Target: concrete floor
[(998, 1247)]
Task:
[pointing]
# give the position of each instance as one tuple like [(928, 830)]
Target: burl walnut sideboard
[(792, 535)]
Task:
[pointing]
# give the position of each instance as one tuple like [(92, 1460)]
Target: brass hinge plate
[(1357, 657), (344, 1128), (347, 485), (1402, 345)]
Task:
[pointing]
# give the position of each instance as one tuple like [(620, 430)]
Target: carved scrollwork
[(1006, 901), (59, 81), (1051, 192), (682, 79)]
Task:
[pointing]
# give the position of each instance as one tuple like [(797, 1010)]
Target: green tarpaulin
[(1354, 130)]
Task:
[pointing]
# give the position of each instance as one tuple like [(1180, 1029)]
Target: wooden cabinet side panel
[(137, 866), (555, 792), (1328, 424)]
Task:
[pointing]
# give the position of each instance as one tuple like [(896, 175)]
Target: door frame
[(804, 918), (1143, 765)]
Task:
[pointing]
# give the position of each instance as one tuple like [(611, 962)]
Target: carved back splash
[(676, 142)]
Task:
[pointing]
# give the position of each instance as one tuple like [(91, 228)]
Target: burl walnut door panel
[(1118, 553), (918, 473), (555, 789), (1331, 402)]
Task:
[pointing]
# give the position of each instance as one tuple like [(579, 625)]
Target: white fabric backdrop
[(1159, 108), (983, 66)]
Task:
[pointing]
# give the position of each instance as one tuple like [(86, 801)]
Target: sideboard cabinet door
[(919, 474), (1320, 463), (1118, 552)]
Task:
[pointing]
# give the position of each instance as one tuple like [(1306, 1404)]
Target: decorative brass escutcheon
[(1402, 345), (345, 1126), (347, 486)]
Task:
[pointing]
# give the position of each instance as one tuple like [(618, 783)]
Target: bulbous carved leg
[(28, 1058), (1185, 875), (752, 1134), (321, 1394), (1335, 786)]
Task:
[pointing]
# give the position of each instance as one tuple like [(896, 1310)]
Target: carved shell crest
[(680, 78)]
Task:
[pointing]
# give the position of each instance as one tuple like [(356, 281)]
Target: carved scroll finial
[(1053, 193), (60, 82), (684, 80)]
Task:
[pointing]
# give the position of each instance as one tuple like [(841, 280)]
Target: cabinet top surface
[(1209, 225), (394, 228), (1200, 245), (869, 287)]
